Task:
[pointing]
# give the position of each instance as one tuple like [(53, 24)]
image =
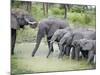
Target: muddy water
[(23, 62)]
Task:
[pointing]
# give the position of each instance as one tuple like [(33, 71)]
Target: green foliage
[(57, 11), (76, 16), (77, 9), (15, 3), (37, 12), (82, 19)]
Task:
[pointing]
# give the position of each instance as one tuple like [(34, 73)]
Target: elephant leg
[(84, 53), (13, 40), (61, 48), (90, 56), (77, 53), (67, 49), (62, 51), (50, 46), (72, 53)]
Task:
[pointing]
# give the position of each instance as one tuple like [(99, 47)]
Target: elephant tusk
[(32, 23)]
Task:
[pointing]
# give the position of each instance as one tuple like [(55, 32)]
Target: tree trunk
[(44, 9), (65, 13), (29, 5)]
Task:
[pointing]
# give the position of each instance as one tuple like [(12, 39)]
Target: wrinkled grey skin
[(85, 45), (19, 18), (65, 42), (59, 33), (82, 34), (48, 27)]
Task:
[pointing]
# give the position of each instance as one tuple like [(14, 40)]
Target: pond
[(22, 62)]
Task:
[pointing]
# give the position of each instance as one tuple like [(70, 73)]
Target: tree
[(26, 5), (45, 9), (65, 14)]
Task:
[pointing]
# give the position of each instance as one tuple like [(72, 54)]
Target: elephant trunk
[(37, 45), (33, 24)]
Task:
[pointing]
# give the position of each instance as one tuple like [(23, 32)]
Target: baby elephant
[(84, 45), (57, 36)]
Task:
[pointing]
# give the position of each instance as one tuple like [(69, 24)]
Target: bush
[(82, 18), (57, 11), (87, 19), (77, 9), (37, 12)]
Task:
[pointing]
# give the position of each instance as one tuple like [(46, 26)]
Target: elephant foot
[(47, 56), (33, 54)]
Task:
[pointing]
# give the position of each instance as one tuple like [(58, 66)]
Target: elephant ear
[(15, 15), (19, 12), (14, 23), (86, 45)]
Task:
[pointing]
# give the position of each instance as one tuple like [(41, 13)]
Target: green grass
[(22, 62), (26, 35)]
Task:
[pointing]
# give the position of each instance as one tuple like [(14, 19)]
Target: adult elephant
[(20, 18), (85, 45), (48, 27)]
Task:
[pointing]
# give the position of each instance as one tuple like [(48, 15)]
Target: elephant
[(65, 42), (19, 19), (82, 34), (58, 34), (48, 27), (85, 45)]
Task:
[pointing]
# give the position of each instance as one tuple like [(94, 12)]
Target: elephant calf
[(85, 45), (59, 33)]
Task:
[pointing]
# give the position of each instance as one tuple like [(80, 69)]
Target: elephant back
[(81, 33), (77, 36), (89, 34), (54, 24)]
